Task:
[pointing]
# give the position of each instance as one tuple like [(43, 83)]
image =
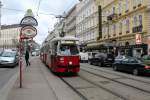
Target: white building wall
[(9, 37), (148, 17), (87, 21)]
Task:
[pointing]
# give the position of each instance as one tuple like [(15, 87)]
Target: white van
[(84, 57), (91, 54)]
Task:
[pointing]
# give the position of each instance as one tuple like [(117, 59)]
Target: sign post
[(27, 32)]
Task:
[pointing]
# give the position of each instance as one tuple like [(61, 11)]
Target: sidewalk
[(35, 86)]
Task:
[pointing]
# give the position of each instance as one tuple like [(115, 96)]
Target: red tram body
[(61, 54)]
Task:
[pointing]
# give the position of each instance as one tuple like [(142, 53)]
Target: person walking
[(27, 58)]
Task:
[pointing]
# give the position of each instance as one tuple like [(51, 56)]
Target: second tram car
[(61, 54)]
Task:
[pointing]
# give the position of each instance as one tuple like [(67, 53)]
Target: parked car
[(102, 59), (91, 55), (1, 50), (131, 64), (83, 57), (146, 59), (33, 53), (9, 58)]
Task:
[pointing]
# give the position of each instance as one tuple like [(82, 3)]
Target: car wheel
[(100, 64), (135, 72), (90, 63), (115, 68)]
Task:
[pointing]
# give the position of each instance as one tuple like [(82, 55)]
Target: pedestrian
[(27, 58)]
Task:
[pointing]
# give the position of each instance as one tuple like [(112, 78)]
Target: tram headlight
[(61, 58), (70, 62)]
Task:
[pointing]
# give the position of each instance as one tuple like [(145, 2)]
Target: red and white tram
[(61, 54)]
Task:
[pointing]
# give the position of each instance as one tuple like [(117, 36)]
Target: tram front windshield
[(68, 49)]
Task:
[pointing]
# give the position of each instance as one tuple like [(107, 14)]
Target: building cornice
[(10, 26)]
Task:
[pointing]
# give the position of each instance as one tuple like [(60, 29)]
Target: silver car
[(9, 58)]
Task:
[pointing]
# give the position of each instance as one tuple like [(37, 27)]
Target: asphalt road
[(6, 74)]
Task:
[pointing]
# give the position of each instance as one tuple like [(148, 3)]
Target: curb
[(8, 86)]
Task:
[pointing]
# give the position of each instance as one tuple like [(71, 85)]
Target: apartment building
[(127, 23), (87, 21), (70, 22), (9, 36)]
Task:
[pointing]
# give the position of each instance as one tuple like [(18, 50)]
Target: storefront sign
[(28, 32), (138, 38)]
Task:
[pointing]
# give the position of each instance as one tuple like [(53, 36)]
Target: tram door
[(54, 54)]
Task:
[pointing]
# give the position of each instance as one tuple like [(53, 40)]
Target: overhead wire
[(37, 12), (38, 7)]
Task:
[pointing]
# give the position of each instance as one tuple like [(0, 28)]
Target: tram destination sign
[(29, 20), (28, 32)]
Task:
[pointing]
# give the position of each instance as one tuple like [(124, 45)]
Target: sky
[(13, 11)]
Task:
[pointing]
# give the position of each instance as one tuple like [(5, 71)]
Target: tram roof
[(66, 38)]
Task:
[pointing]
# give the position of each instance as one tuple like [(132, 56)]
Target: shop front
[(133, 50)]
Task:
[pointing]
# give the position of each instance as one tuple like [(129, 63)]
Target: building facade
[(87, 21), (9, 37), (70, 22), (127, 23)]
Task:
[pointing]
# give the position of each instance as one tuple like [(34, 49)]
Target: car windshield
[(133, 60), (8, 54), (146, 57), (69, 50)]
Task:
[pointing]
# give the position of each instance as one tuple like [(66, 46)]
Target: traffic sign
[(29, 20), (138, 38), (28, 32)]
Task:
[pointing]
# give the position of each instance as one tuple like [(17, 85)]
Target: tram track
[(123, 76), (74, 89), (114, 80), (101, 87), (112, 92)]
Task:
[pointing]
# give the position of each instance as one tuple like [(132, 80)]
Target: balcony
[(134, 7), (139, 5), (127, 32), (114, 35), (126, 11), (137, 29), (120, 33), (112, 17)]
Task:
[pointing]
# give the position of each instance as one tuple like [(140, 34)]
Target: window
[(134, 2), (114, 28), (127, 25), (119, 9), (140, 2), (114, 10), (140, 20), (134, 21), (120, 27), (127, 5)]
